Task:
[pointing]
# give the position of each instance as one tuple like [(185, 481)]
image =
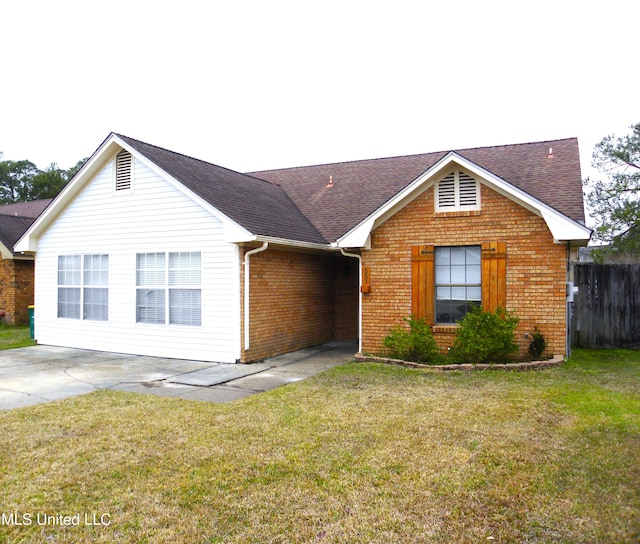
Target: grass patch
[(14, 337), (361, 453)]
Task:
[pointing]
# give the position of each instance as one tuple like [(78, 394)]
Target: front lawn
[(14, 337), (362, 453)]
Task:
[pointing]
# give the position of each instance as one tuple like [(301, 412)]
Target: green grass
[(362, 453), (14, 337)]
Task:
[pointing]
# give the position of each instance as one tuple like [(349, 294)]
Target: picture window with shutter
[(458, 282), (123, 178), (457, 191), (447, 280)]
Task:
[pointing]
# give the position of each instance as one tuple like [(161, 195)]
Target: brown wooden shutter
[(494, 276), (422, 282)]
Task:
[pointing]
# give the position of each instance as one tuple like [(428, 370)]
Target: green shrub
[(485, 337), (415, 344), (538, 344)]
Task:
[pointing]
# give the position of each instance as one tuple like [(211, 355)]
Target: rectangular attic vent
[(457, 191)]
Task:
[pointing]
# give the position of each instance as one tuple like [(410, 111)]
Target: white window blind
[(175, 277), (83, 284)]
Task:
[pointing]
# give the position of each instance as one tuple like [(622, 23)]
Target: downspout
[(569, 304), (359, 257), (260, 249)]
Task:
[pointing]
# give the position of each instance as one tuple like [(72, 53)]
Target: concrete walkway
[(44, 373)]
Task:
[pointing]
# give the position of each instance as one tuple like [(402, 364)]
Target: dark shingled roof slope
[(260, 206), (361, 187), (32, 208), (297, 204), (12, 228), (16, 218)]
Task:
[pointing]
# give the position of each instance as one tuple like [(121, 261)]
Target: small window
[(458, 282), (457, 191), (124, 171)]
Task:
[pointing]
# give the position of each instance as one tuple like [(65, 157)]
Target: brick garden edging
[(556, 360)]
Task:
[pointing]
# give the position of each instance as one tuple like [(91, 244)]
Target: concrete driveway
[(44, 373)]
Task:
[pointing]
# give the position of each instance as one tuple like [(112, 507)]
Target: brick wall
[(346, 298), (16, 290), (292, 302), (536, 267)]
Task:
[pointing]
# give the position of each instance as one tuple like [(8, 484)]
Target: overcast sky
[(255, 85)]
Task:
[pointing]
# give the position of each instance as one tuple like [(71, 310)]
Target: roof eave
[(29, 240), (563, 228)]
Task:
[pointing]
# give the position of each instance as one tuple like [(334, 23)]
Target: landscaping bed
[(556, 360)]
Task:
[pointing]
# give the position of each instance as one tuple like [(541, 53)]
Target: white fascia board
[(293, 243), (232, 230), (359, 236), (29, 240), (562, 227)]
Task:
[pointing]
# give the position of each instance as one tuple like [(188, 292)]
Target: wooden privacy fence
[(606, 308)]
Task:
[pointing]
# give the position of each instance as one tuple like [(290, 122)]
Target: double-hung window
[(169, 288), (83, 287), (458, 282)]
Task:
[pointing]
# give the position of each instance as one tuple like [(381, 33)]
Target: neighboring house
[(152, 252), (16, 269)]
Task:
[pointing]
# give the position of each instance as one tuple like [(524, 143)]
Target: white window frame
[(452, 192), (83, 281), (173, 286), (462, 278)]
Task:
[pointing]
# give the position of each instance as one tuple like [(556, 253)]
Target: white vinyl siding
[(155, 218), (457, 191)]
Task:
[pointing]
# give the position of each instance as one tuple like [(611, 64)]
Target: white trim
[(359, 257), (106, 152), (562, 227)]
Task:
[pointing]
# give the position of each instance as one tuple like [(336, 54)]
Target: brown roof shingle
[(258, 205), (361, 187), (296, 203), (12, 228)]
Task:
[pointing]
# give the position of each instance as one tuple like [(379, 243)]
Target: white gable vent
[(124, 171), (457, 191)]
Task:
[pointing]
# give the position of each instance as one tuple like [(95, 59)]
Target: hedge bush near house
[(416, 344), (485, 337)]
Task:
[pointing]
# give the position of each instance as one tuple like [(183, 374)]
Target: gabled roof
[(300, 205), (362, 187), (260, 206)]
